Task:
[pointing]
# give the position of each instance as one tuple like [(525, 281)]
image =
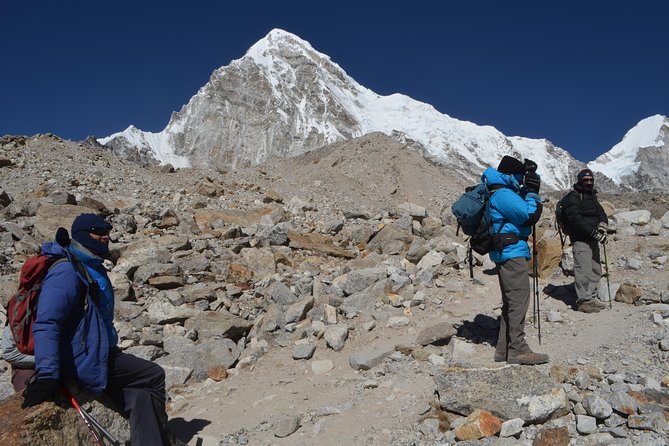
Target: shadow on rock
[(564, 293), (186, 430), (482, 330)]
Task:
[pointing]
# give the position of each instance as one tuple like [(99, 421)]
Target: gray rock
[(367, 360), (397, 321), (304, 351), (362, 302), (148, 352), (623, 403), (412, 209), (361, 279), (259, 260), (508, 392), (285, 425), (297, 311), (438, 333), (218, 324), (511, 427), (335, 336), (417, 250), (165, 312), (597, 406), (390, 240), (280, 294), (654, 421), (61, 197), (638, 217), (586, 424)]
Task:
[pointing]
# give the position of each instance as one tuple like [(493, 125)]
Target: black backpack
[(561, 222)]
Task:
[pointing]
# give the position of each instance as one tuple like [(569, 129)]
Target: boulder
[(508, 392), (57, 423), (550, 253)]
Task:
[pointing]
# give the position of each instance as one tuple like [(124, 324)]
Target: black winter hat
[(585, 173), (82, 227), (510, 165)]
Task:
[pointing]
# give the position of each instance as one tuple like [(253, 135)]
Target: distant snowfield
[(621, 159)]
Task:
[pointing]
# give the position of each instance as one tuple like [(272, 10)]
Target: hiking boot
[(529, 358), (591, 306)]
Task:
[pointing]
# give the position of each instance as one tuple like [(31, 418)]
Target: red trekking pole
[(93, 425)]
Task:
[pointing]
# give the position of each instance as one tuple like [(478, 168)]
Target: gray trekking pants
[(514, 282), (587, 270)]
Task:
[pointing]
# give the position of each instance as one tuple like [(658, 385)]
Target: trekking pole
[(93, 425), (606, 266), (535, 281), (470, 257)]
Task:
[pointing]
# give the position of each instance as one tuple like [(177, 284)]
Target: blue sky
[(580, 74)]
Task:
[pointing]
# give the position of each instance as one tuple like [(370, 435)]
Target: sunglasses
[(588, 181), (100, 231)]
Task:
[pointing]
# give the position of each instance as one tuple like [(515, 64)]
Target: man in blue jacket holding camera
[(515, 207)]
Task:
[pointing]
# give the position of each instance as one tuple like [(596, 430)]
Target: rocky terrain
[(325, 299)]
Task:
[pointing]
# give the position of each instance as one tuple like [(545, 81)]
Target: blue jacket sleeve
[(59, 295), (519, 211)]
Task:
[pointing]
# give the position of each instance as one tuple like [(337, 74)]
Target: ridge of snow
[(158, 143), (620, 161), (438, 133)]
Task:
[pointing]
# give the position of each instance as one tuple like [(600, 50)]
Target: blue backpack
[(470, 208)]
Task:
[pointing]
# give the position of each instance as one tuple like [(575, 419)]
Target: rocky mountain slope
[(324, 299), (284, 98)]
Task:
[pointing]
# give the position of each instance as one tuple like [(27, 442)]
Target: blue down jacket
[(513, 208), (71, 337)]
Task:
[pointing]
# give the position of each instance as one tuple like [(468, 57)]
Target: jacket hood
[(53, 249), (494, 178)]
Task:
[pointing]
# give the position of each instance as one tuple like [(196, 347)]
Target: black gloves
[(532, 182), (39, 391), (599, 233), (530, 166)]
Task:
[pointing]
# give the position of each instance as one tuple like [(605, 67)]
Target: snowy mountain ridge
[(284, 98), (625, 158)]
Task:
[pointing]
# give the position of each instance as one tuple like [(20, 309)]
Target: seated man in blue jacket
[(514, 208), (75, 336)]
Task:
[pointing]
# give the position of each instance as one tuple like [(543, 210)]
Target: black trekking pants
[(138, 387)]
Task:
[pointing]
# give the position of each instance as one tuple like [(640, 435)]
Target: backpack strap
[(92, 289)]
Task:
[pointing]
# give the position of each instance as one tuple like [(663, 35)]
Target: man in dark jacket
[(75, 336), (587, 229), (515, 207)]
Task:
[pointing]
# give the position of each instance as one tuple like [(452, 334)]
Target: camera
[(529, 166)]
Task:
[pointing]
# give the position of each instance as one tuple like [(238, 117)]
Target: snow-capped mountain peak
[(625, 159), (284, 98)]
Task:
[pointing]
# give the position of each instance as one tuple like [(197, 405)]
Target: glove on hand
[(39, 391), (603, 227), (599, 235), (532, 182), (529, 165)]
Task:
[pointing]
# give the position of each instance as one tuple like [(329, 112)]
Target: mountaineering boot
[(591, 306), (529, 358)]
